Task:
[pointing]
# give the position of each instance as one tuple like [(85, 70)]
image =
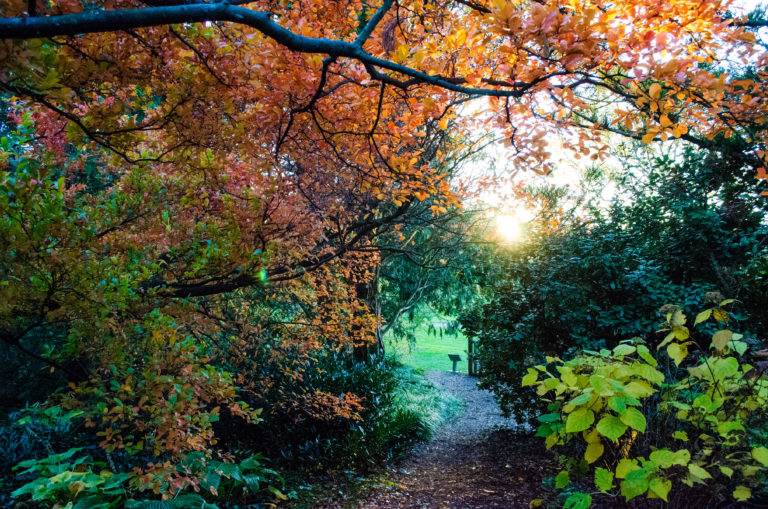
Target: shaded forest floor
[(473, 461)]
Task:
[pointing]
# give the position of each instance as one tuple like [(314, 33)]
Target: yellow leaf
[(720, 339), (654, 91), (402, 52), (681, 333), (667, 339), (702, 317), (649, 136), (678, 318), (677, 352), (418, 58), (665, 121), (594, 452), (720, 315)]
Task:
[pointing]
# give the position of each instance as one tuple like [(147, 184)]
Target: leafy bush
[(396, 409), (683, 227), (76, 477), (34, 433), (644, 429)]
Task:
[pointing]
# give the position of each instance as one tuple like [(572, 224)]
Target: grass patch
[(429, 351), (418, 395)]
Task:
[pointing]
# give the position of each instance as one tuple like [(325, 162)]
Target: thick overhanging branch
[(128, 19)]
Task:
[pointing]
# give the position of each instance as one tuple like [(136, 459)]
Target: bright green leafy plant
[(647, 429), (61, 480)]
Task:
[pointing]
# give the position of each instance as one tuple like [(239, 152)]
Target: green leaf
[(635, 484), (600, 385), (626, 466), (633, 418), (611, 427), (645, 354), (663, 458), (578, 501), (707, 403), (548, 418), (624, 349), (680, 435), (531, 378), (579, 420), (567, 376), (648, 372), (727, 471), (603, 479), (742, 493), (638, 389), (738, 346), (660, 487), (682, 457), (702, 317), (761, 455), (697, 471), (581, 399), (720, 339), (724, 428), (725, 367), (617, 404), (562, 480)]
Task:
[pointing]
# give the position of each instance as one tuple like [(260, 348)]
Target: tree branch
[(373, 22), (127, 19)]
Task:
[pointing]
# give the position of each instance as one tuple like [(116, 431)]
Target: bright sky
[(509, 216)]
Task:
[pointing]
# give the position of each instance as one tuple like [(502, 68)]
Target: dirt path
[(469, 463)]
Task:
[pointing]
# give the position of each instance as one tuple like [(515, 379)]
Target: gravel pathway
[(481, 413), (470, 463)]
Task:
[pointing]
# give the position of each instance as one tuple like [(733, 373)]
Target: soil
[(473, 461)]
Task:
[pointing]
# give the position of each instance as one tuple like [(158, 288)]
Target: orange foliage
[(231, 164)]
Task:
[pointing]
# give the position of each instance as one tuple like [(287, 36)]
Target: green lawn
[(430, 351)]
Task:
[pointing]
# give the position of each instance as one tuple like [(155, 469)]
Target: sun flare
[(511, 227)]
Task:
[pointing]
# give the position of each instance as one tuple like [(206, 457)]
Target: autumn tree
[(161, 157)]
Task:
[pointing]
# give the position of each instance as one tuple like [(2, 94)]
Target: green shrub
[(682, 226), (397, 409), (195, 482), (645, 429)]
